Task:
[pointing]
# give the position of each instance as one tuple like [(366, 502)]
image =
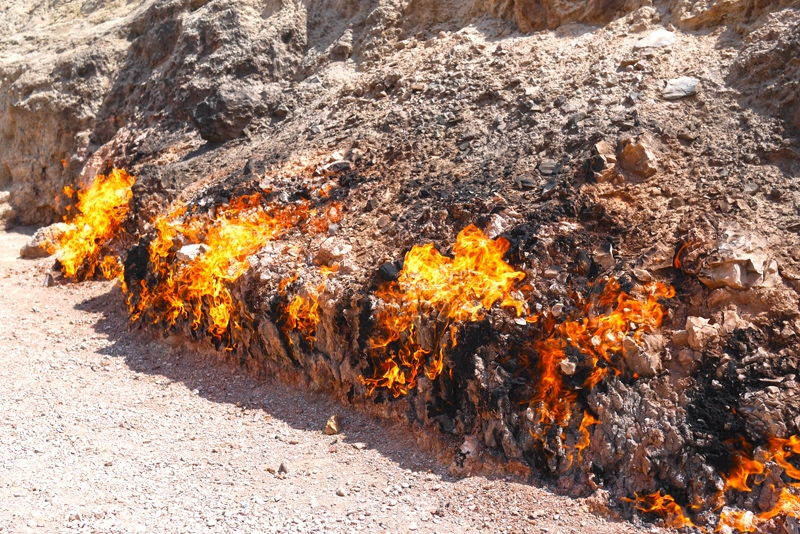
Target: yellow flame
[(101, 209), (461, 288), (197, 289)]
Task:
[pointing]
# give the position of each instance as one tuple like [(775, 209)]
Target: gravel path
[(106, 430)]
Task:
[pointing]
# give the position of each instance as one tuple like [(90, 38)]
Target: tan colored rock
[(638, 156), (333, 426), (644, 360), (604, 161), (740, 261), (44, 241), (332, 251), (701, 333)]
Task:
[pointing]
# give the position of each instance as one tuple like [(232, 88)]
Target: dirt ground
[(103, 429)]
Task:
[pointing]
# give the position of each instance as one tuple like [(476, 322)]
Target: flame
[(665, 506), (302, 313), (788, 504), (597, 336), (584, 441), (197, 288), (742, 468), (100, 211), (447, 290)]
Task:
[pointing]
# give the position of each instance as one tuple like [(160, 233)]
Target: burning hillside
[(467, 341), (575, 250)]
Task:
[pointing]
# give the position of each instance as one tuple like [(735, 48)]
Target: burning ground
[(585, 271)]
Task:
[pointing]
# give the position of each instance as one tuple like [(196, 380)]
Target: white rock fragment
[(189, 253), (679, 88), (659, 38)]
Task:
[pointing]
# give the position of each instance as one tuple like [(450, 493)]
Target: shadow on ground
[(223, 381)]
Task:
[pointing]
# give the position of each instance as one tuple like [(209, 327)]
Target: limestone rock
[(701, 333), (332, 251), (191, 252), (740, 261), (677, 88), (657, 39), (43, 242), (638, 156), (643, 360)]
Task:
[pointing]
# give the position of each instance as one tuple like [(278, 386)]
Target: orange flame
[(302, 313), (597, 336), (461, 288), (665, 506), (101, 209), (197, 288), (742, 468)]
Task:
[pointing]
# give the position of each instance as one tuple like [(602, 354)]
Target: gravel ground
[(106, 430)]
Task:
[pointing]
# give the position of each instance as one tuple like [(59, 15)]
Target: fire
[(446, 290), (302, 312), (742, 468), (597, 336), (198, 288), (100, 211), (665, 506)]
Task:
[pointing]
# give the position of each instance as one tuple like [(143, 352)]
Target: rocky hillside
[(649, 145)]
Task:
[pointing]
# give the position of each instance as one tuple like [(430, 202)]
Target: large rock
[(43, 243), (701, 332), (225, 115), (739, 261)]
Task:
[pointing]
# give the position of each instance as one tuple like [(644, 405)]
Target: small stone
[(338, 166), (277, 497), (637, 156), (679, 88), (604, 255), (333, 426), (549, 166), (49, 281), (525, 182), (341, 491), (283, 468), (604, 161), (657, 39), (418, 86), (191, 252), (568, 367)]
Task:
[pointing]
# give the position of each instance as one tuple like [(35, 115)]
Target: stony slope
[(644, 142)]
